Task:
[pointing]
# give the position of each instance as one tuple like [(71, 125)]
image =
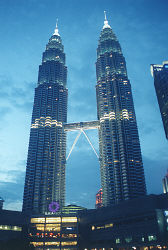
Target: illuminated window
[(4, 227), (10, 228), (53, 220), (37, 220), (53, 227), (125, 82), (52, 243), (40, 227), (128, 239), (69, 219), (99, 227), (69, 243), (102, 226), (69, 235), (35, 244), (109, 225), (152, 237), (117, 240)]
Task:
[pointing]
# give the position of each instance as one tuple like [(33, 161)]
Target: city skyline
[(19, 68)]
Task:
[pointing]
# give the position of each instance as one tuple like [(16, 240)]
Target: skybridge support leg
[(90, 143), (75, 141)]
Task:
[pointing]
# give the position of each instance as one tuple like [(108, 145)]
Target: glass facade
[(45, 172), (160, 74), (122, 173)]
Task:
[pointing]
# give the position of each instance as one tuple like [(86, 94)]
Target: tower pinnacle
[(56, 29), (105, 17), (106, 25)]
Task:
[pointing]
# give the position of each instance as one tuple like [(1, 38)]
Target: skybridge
[(81, 126)]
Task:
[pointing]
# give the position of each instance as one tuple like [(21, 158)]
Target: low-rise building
[(141, 223), (134, 224), (12, 225), (55, 230)]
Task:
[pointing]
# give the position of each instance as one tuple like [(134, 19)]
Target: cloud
[(15, 205), (4, 111), (11, 176), (12, 95), (155, 170), (12, 191)]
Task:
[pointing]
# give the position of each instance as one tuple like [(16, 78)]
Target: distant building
[(165, 183), (1, 203), (99, 201), (160, 74)]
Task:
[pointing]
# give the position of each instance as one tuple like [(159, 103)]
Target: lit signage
[(54, 206)]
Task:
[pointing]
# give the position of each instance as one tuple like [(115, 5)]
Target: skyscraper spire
[(106, 25), (105, 17), (56, 29)]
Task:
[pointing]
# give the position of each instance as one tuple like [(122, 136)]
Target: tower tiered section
[(45, 172), (122, 173)]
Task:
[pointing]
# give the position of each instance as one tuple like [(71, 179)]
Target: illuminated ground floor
[(55, 231), (140, 224)]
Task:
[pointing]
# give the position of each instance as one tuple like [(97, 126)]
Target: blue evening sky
[(25, 27)]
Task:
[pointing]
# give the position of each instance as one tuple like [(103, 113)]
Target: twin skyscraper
[(121, 167)]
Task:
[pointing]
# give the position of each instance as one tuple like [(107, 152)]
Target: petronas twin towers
[(122, 174)]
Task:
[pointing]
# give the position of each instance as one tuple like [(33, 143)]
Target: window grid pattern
[(160, 73), (122, 174), (45, 171)]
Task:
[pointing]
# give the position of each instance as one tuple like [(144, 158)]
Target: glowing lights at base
[(53, 231)]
